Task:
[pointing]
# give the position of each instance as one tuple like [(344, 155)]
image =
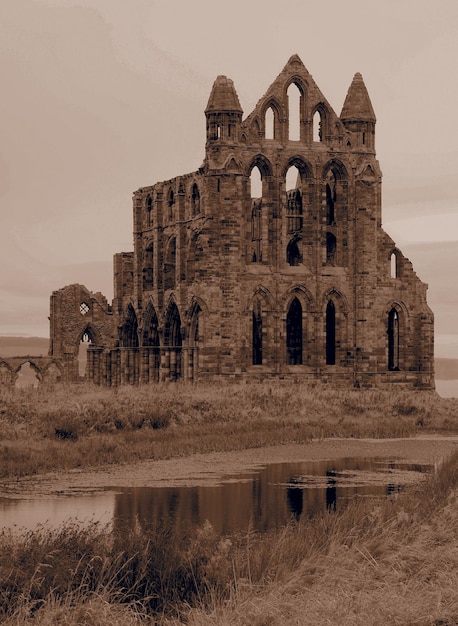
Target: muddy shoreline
[(217, 467)]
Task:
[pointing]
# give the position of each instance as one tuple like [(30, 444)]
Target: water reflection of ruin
[(262, 501)]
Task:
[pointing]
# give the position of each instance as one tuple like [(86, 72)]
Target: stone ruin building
[(267, 262)]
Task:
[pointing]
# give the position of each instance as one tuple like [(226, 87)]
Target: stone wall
[(293, 281)]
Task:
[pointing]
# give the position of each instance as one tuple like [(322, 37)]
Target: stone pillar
[(165, 364), (190, 364), (123, 366), (173, 364), (108, 372), (144, 365)]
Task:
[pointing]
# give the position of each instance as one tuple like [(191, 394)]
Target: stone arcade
[(268, 262)]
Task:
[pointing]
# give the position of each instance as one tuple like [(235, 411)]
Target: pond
[(263, 500)]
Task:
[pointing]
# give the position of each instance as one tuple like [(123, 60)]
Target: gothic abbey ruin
[(269, 261)]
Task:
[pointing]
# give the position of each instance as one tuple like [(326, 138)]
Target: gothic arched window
[(294, 333), (293, 254), (269, 124), (394, 265), (294, 113), (393, 340), (170, 204), (330, 201), (256, 215), (148, 267), (331, 248), (195, 200), (317, 126), (257, 334), (149, 208), (330, 333), (170, 265)]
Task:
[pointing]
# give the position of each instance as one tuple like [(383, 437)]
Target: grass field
[(393, 563), (84, 426)]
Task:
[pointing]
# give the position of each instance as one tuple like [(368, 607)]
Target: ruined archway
[(129, 330), (195, 339), (172, 343), (28, 375), (150, 345)]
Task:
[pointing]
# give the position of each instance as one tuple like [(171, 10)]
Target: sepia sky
[(100, 97)]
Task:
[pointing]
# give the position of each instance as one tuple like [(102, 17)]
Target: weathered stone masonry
[(296, 280)]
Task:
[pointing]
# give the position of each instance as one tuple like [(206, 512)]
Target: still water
[(263, 500)]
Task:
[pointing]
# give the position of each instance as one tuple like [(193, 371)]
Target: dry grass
[(83, 426), (393, 563), (396, 564)]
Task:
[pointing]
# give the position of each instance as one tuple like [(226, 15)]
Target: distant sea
[(447, 388)]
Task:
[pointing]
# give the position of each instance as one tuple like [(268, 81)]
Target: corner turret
[(223, 113), (358, 115)]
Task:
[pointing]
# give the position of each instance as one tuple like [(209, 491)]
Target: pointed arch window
[(129, 332), (294, 112), (393, 340), (294, 215), (173, 341), (317, 126), (170, 265), (150, 328), (394, 265), (172, 330), (256, 215), (149, 209), (170, 204), (294, 211), (269, 124), (256, 231), (195, 200), (331, 249), (294, 333), (293, 253), (331, 197), (294, 207), (195, 325), (151, 344), (195, 337), (257, 334), (85, 342), (330, 333), (148, 268)]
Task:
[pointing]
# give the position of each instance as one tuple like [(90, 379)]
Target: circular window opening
[(84, 308)]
